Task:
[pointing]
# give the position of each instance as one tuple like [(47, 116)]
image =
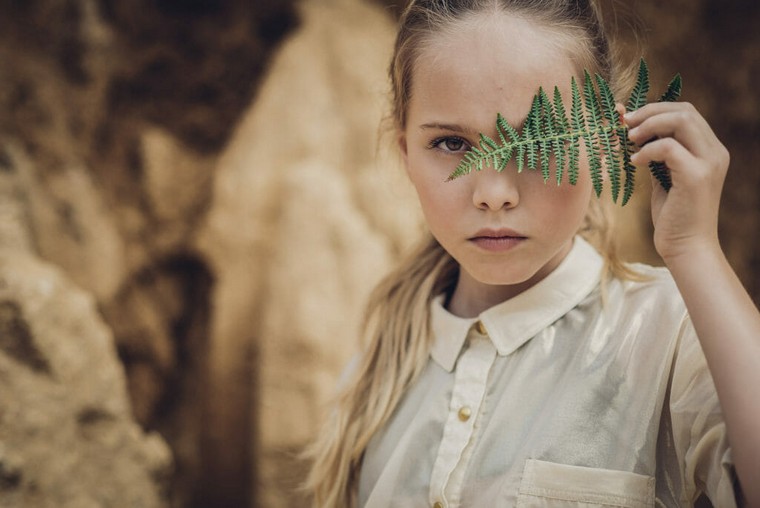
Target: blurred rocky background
[(196, 196)]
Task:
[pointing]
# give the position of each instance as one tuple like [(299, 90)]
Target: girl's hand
[(686, 218)]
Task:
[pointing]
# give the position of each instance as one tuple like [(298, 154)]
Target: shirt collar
[(513, 322)]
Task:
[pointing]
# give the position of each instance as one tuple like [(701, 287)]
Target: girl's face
[(506, 230)]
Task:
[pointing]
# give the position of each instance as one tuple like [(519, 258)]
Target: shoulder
[(651, 295), (649, 281)]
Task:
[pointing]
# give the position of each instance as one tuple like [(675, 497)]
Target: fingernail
[(632, 132)]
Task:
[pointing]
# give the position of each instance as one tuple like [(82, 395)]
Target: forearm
[(728, 326)]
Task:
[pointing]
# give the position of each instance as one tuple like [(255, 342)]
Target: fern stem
[(564, 136)]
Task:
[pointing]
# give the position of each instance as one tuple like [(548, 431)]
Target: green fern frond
[(532, 133), (659, 169), (641, 89), (579, 125), (594, 121), (561, 125), (637, 99), (662, 174), (505, 131), (548, 132), (610, 140), (674, 90), (628, 167)]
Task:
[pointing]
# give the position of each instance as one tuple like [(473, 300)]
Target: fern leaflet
[(658, 169)]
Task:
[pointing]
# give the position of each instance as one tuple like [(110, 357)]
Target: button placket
[(467, 395)]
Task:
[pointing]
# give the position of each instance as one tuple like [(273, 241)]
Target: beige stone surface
[(67, 437), (306, 218), (72, 223)]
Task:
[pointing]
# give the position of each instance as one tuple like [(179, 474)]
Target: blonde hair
[(396, 325)]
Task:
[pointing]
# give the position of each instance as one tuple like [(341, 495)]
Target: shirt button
[(481, 328), (464, 413), (438, 505)]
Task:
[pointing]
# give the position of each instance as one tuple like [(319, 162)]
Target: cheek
[(564, 206), (438, 201), (443, 205), (430, 182)]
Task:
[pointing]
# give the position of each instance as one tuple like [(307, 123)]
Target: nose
[(495, 190)]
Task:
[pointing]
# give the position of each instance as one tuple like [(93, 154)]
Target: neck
[(471, 296)]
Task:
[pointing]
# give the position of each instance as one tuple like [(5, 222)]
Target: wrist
[(694, 253)]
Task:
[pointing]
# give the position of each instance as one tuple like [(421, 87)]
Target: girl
[(512, 363)]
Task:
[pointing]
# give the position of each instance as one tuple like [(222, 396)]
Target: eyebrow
[(448, 127)]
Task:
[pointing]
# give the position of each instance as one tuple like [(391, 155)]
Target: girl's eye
[(450, 144)]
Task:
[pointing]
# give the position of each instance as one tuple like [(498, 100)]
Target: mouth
[(497, 240)]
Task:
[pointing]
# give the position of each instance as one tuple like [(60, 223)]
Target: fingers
[(680, 121), (636, 117), (677, 134), (666, 150)]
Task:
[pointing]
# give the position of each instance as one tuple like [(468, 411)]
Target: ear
[(403, 149)]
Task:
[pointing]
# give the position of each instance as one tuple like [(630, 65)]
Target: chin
[(499, 276)]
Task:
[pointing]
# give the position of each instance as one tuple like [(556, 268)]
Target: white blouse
[(559, 397)]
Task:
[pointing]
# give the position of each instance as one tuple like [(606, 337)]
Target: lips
[(497, 240), (498, 233)]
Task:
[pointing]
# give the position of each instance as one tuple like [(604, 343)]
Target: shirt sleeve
[(699, 433)]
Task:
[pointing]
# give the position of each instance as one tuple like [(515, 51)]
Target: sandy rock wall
[(113, 115), (305, 221), (226, 243), (67, 435)]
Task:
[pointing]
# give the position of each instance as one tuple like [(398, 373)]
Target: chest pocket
[(550, 485)]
